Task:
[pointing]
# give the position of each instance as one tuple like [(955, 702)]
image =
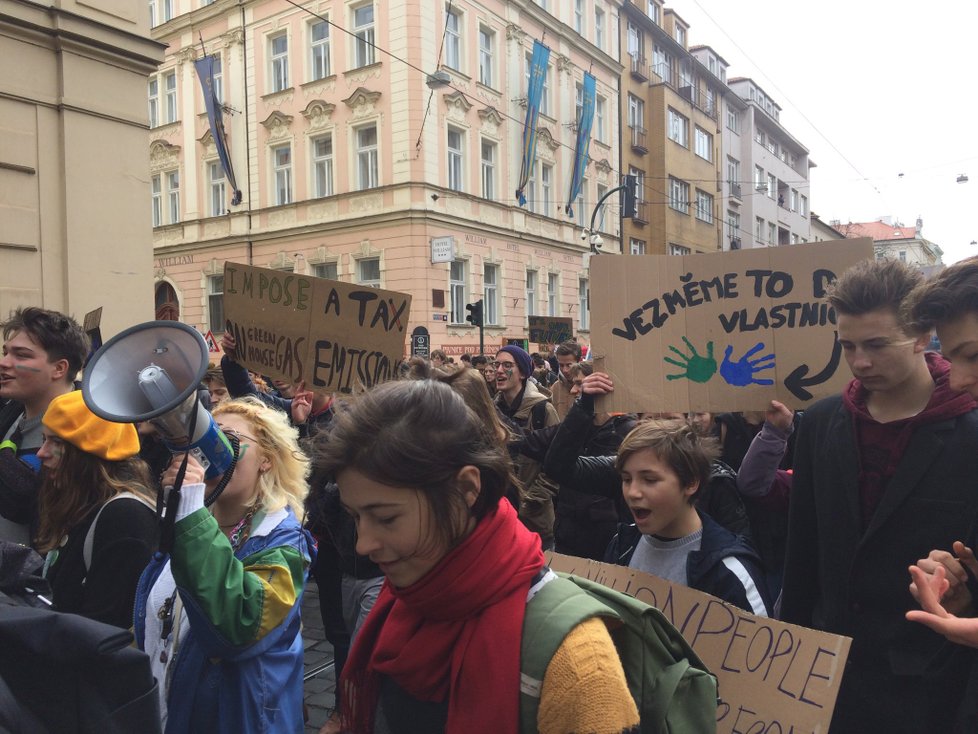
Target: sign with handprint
[(721, 331)]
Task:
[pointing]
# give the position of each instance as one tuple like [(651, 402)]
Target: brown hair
[(569, 347), (471, 385), (80, 483), (59, 335), (948, 295), (419, 434), (675, 442), (874, 284), (581, 368)]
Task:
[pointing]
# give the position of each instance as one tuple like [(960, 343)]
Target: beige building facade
[(74, 231), (351, 167)]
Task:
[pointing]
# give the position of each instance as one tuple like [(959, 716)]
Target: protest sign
[(773, 677), (338, 337), (550, 329), (723, 331)]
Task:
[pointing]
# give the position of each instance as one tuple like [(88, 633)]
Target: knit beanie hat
[(521, 357), (72, 421)]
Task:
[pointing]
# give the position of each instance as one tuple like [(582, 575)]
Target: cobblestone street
[(320, 689)]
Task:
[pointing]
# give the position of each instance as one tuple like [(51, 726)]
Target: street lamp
[(438, 80)]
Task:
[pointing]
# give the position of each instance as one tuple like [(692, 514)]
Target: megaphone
[(151, 372)]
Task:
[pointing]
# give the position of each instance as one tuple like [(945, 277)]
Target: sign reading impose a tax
[(773, 677), (337, 337)]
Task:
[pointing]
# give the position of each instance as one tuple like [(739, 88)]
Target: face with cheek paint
[(25, 372), (51, 451), (508, 378)]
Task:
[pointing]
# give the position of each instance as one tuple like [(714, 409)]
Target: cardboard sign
[(338, 337), (773, 676), (724, 331), (550, 329)]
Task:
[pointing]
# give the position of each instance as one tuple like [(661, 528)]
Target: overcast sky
[(873, 90)]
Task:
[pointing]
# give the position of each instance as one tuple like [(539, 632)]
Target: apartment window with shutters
[(453, 40), (278, 55), (322, 166), (215, 303), (319, 49), (368, 272), (156, 184), (456, 288), (218, 189), (553, 294), (363, 31), (490, 294), (488, 170), (367, 165), (173, 195), (487, 41), (583, 304), (455, 154), (531, 292), (282, 166), (170, 89)]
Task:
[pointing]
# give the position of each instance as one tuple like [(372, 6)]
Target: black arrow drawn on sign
[(796, 382)]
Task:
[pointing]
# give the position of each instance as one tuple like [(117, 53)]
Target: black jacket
[(843, 580), (705, 569), (19, 482)]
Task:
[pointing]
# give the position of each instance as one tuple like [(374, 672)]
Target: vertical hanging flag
[(205, 72), (534, 92), (584, 123)]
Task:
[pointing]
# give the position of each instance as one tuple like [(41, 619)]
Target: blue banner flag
[(584, 123), (205, 72), (534, 92)]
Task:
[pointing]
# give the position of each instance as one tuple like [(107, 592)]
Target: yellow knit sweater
[(584, 689)]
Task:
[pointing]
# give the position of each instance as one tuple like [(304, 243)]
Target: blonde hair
[(285, 481)]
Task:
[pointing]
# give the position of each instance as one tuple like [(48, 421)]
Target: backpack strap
[(90, 536), (554, 608)]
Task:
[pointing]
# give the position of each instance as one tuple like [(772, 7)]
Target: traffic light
[(628, 208), (475, 313)]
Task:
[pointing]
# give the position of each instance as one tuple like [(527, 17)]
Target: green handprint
[(696, 367)]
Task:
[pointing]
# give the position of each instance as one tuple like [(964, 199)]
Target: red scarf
[(454, 635)]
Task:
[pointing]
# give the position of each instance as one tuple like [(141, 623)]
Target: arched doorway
[(167, 303)]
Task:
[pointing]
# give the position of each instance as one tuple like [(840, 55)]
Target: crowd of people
[(422, 508)]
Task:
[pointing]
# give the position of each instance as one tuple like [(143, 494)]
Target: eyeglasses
[(504, 365), (230, 433)]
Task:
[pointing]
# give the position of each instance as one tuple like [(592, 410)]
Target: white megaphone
[(151, 372)]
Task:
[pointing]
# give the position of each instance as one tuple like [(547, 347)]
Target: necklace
[(242, 529)]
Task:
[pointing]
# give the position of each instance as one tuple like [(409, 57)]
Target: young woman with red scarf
[(440, 652)]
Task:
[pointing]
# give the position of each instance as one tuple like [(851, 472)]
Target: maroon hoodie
[(881, 445)]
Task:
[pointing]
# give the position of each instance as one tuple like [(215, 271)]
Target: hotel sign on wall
[(442, 249)]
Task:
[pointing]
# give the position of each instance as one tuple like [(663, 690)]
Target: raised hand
[(741, 372), (301, 404), (695, 366), (779, 415), (228, 345)]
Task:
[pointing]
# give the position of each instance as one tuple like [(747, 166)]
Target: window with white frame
[(218, 188), (759, 230), (322, 166), (319, 50), (583, 305), (578, 100), (170, 91), (487, 42), (488, 170), (173, 195), (794, 200), (363, 31), (599, 28), (367, 164), (636, 112), (490, 294), (633, 40), (368, 272), (282, 168), (579, 16), (704, 206), (733, 224), (680, 35), (772, 233), (772, 185), (455, 154), (456, 290), (530, 192), (795, 239), (654, 12), (531, 292), (678, 128), (217, 73), (215, 303), (546, 190), (803, 206), (599, 223), (553, 294), (453, 39), (903, 256), (636, 246), (759, 137), (680, 250), (760, 182), (328, 270), (703, 144), (600, 105), (583, 213), (545, 92), (160, 11), (639, 175), (156, 186), (278, 58), (733, 171), (678, 195), (154, 101)]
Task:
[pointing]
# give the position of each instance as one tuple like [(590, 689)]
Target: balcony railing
[(735, 190), (639, 139), (639, 67), (641, 212)]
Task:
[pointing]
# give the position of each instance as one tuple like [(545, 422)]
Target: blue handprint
[(741, 372)]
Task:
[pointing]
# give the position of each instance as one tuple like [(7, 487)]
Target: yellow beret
[(72, 421)]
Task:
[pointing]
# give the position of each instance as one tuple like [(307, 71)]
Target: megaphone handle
[(228, 473)]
